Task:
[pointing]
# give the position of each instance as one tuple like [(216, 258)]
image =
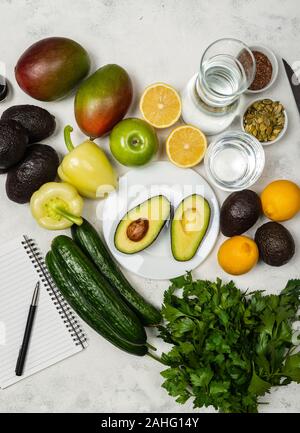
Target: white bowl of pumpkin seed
[(266, 119)]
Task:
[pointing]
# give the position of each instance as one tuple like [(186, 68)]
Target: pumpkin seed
[(264, 119)]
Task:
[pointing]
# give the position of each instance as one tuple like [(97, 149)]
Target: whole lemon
[(238, 255), (281, 200)]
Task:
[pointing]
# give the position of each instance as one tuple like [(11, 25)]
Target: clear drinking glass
[(3, 82), (234, 161), (211, 98)]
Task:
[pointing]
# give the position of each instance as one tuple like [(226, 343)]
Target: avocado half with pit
[(189, 226), (141, 225)]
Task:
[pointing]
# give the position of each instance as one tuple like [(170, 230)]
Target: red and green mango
[(51, 68), (102, 100)]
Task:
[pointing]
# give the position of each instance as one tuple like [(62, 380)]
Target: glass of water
[(211, 98), (234, 161)]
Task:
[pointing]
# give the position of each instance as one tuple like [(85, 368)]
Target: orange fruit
[(160, 105), (238, 255), (186, 146), (281, 200)]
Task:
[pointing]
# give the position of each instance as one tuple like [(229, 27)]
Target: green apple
[(133, 142)]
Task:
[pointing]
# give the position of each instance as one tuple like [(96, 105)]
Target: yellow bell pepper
[(56, 206), (87, 168)]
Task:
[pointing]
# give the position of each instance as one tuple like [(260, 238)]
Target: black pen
[(27, 333)]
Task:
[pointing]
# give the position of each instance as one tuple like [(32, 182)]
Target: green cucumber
[(98, 291), (85, 310), (90, 242)]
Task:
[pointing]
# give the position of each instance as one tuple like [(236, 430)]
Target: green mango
[(102, 100)]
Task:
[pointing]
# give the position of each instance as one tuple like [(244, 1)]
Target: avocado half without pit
[(139, 228), (189, 226)]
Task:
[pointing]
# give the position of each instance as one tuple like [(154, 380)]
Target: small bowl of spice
[(266, 69), (266, 120)]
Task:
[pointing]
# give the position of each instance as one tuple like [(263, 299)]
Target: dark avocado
[(38, 167), (13, 142), (239, 212), (275, 243), (38, 122)]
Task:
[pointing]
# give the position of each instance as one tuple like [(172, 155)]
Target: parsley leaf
[(292, 367), (229, 347)]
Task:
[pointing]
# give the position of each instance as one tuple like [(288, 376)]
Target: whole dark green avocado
[(239, 212), (38, 122), (275, 244), (13, 142), (38, 167)]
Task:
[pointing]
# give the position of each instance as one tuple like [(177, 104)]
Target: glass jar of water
[(211, 98), (234, 161)]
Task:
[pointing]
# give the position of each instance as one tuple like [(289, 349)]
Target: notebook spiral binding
[(65, 311)]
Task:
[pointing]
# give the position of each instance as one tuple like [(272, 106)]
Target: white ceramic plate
[(137, 185)]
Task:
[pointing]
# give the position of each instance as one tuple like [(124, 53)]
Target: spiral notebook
[(57, 332)]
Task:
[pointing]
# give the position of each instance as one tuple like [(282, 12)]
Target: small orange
[(160, 105), (238, 255), (281, 200), (186, 146)]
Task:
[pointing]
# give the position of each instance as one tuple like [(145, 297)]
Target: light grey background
[(155, 41)]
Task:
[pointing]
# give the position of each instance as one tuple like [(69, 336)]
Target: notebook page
[(51, 341)]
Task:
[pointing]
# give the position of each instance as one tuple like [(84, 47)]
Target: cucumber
[(90, 242), (86, 311), (98, 291)]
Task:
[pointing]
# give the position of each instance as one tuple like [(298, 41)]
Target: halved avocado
[(141, 225), (189, 225)]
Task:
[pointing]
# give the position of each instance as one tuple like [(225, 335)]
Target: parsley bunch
[(229, 347)]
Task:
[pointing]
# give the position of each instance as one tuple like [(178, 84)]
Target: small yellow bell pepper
[(56, 206), (87, 168)]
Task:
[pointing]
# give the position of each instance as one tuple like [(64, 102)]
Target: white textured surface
[(156, 41)]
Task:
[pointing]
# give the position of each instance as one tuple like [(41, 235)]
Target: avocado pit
[(137, 229)]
